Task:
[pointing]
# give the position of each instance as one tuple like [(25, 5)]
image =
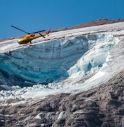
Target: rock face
[(99, 107)]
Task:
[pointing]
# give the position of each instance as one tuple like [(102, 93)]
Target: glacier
[(51, 61), (66, 61)]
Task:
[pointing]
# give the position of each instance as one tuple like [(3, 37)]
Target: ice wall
[(57, 59)]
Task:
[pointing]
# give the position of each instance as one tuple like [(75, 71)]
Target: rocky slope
[(99, 107)]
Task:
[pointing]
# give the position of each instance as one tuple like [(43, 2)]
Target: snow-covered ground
[(69, 61)]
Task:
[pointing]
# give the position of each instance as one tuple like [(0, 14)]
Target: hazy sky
[(33, 15)]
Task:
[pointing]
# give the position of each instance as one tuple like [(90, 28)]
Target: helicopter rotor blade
[(20, 30), (38, 31)]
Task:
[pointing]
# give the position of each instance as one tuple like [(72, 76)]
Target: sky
[(34, 15)]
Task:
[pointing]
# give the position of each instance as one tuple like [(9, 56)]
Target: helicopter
[(31, 36)]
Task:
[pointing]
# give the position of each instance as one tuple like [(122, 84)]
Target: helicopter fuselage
[(27, 38)]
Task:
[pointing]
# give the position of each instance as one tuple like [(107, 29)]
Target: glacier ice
[(57, 59)]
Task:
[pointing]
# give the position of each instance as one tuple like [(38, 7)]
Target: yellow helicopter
[(31, 36)]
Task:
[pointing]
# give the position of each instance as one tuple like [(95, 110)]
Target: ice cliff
[(57, 59)]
